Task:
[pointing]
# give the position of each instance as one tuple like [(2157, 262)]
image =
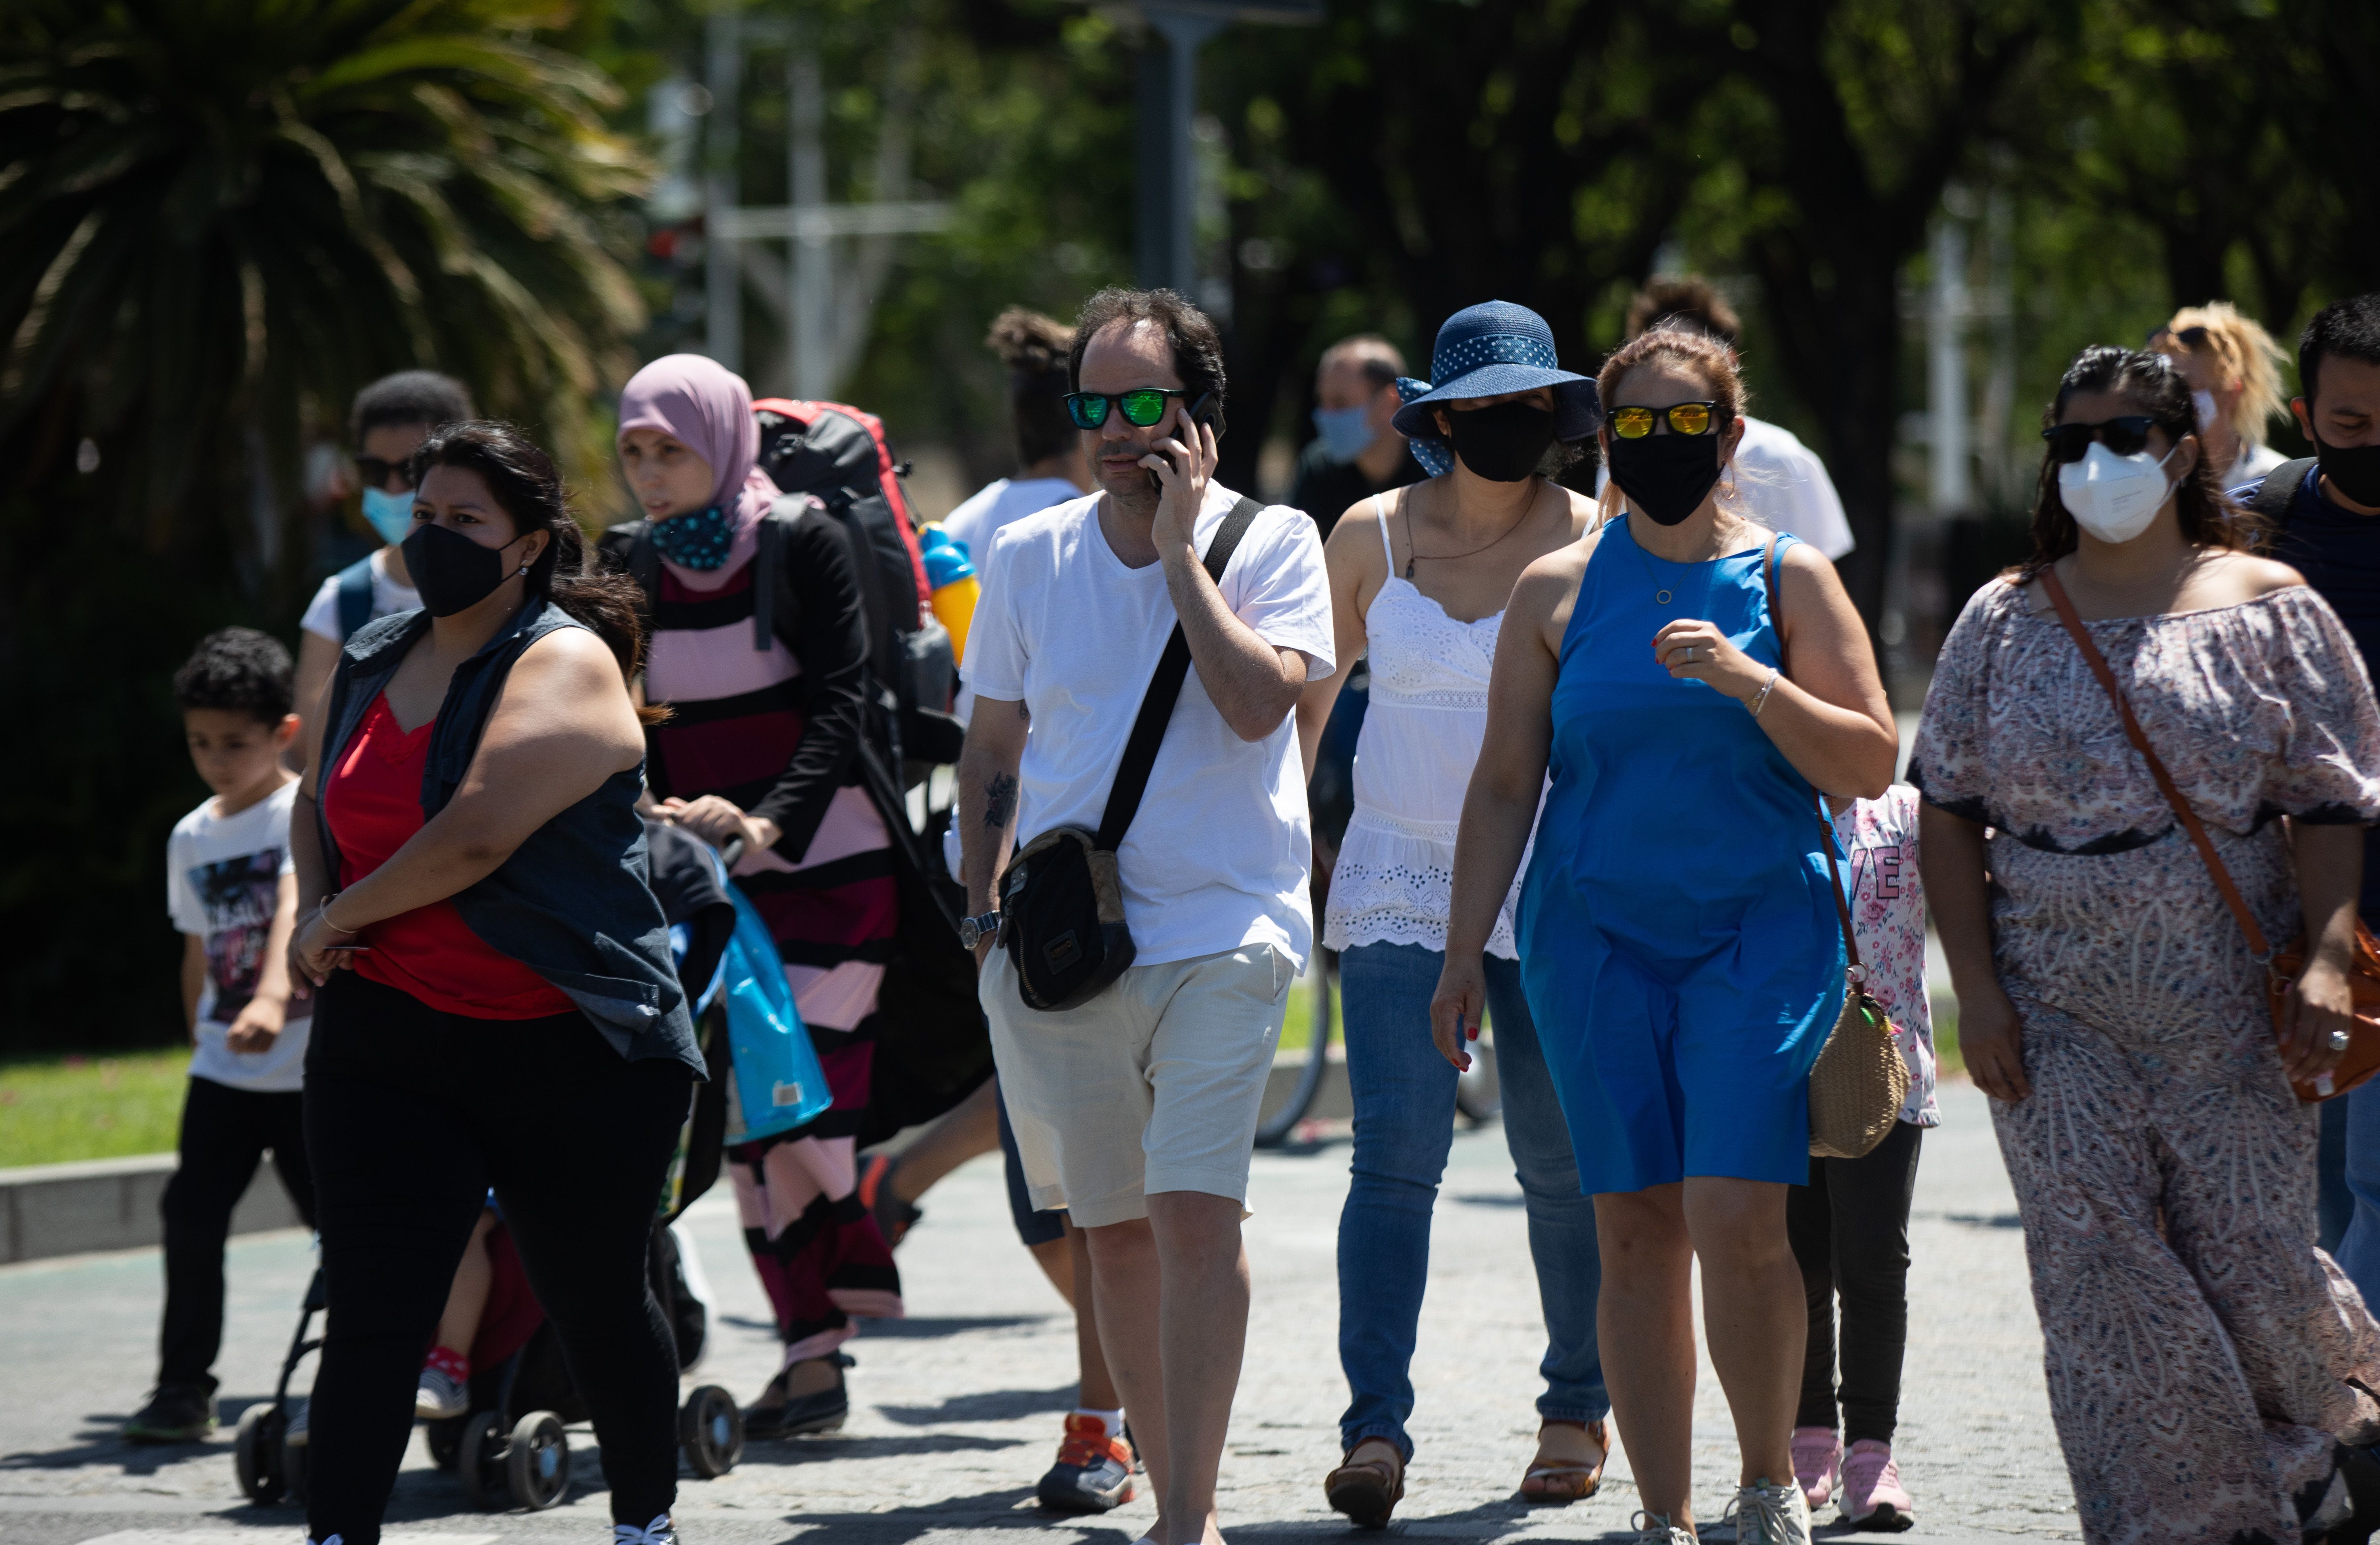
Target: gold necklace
[(1411, 556)]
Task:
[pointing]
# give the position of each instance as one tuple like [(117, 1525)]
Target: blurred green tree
[(216, 221)]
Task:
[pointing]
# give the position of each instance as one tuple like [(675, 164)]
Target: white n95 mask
[(2114, 497)]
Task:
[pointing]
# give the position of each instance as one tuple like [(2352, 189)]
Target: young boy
[(231, 890)]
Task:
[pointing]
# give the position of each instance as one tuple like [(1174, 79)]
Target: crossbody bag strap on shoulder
[(1834, 874), (2165, 786), (1164, 688)]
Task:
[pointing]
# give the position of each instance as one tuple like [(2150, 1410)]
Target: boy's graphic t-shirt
[(1888, 919), (222, 876)]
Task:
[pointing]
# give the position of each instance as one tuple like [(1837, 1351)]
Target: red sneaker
[(1093, 1469)]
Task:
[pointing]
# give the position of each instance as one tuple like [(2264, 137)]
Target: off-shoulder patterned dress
[(2199, 1348)]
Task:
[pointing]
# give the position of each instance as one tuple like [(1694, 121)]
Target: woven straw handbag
[(1859, 1083)]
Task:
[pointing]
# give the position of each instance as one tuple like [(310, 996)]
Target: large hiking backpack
[(839, 454)]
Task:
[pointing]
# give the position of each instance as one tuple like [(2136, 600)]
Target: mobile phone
[(346, 949), (1200, 411)]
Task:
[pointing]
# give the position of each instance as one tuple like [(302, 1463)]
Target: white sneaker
[(1769, 1513), (1653, 1528), (295, 1434), (661, 1531), (441, 1395)]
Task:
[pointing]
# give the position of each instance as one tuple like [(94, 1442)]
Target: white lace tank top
[(1394, 879)]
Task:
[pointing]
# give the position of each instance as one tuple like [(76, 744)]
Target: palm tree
[(219, 217)]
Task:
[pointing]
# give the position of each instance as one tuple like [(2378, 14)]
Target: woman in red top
[(469, 819)]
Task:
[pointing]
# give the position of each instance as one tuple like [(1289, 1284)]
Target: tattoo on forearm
[(999, 802)]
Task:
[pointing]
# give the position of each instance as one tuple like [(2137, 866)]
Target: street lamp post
[(1165, 198)]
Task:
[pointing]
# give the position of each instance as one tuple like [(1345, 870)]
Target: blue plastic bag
[(778, 1080)]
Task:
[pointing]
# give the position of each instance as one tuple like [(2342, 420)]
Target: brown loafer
[(1561, 1482), (1366, 1492)]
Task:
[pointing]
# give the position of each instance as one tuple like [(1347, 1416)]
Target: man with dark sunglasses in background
[(391, 419), (2324, 510), (1136, 1108)]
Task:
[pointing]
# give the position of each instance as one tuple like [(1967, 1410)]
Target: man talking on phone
[(1133, 1086)]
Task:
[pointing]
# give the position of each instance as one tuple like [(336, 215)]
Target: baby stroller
[(512, 1445)]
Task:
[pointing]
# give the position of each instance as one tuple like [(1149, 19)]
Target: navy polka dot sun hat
[(1484, 351)]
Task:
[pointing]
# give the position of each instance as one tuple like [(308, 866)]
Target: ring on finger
[(2339, 1040)]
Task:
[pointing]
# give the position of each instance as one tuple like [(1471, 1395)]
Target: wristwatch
[(974, 930)]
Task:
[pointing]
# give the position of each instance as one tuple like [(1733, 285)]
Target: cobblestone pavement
[(958, 1409)]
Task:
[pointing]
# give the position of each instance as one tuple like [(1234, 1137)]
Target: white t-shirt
[(996, 504), (1785, 487), (1218, 856), (322, 613), (223, 878)]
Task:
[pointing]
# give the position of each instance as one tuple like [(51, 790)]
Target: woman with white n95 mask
[(2211, 1373)]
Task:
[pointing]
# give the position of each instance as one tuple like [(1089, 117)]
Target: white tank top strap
[(1387, 552)]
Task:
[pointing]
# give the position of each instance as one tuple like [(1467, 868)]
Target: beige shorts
[(1155, 1085)]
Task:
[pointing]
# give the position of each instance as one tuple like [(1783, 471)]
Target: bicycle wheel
[(1274, 1131)]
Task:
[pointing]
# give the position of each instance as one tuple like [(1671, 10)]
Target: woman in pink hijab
[(765, 743)]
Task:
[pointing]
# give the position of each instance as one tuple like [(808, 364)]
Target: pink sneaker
[(1817, 1463), (1873, 1497)]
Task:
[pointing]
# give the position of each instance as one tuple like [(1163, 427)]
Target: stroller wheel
[(480, 1459), (711, 1432), (257, 1454), (536, 1463), (293, 1470)]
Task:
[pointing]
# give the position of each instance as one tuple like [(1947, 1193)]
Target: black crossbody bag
[(1061, 897)]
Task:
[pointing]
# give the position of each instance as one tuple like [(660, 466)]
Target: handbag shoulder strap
[(1157, 706), (2132, 732), (1825, 828)]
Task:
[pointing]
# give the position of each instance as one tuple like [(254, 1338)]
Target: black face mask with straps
[(1505, 443), (1667, 475), (454, 572), (2354, 470)]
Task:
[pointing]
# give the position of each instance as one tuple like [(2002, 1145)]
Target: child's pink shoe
[(1817, 1463), (1873, 1497)]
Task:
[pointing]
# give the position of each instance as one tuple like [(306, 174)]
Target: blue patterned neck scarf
[(695, 540)]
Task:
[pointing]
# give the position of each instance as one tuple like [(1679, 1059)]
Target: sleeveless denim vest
[(572, 903)]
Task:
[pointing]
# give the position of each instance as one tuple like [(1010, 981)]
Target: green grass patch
[(1948, 1062), (57, 1109), (1298, 1030)]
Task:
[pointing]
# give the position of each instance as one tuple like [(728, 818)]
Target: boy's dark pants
[(225, 1133)]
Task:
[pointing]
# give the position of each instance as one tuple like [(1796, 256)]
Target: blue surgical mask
[(391, 514), (1346, 432)]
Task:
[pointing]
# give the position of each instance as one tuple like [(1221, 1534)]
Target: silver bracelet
[(322, 914), (1760, 699)]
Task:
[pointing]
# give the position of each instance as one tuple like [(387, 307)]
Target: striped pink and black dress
[(776, 733)]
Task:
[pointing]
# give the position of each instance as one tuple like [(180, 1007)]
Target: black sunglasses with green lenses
[(1142, 407), (2126, 436), (1685, 418)]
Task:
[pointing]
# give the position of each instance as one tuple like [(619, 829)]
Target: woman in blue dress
[(1678, 945)]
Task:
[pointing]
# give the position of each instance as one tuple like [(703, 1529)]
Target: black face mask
[(1504, 443), (2354, 470), (1667, 475), (453, 573)]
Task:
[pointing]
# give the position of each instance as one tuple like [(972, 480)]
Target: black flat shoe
[(779, 1415)]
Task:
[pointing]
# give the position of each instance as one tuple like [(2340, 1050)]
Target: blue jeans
[(2359, 1250), (1404, 1123)]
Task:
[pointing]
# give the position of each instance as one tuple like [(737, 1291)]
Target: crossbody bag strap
[(1826, 829), (1157, 706), (2132, 732)]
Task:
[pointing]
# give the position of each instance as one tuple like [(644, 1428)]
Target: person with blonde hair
[(2233, 370), (1678, 933)]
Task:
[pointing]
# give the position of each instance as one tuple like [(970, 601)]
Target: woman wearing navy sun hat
[(1420, 577)]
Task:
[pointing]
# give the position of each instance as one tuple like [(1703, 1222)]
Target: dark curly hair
[(523, 479), (239, 671), (1198, 348), (2154, 388), (1035, 348)]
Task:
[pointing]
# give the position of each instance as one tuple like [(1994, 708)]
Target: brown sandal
[(1367, 1492), (1561, 1483)]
